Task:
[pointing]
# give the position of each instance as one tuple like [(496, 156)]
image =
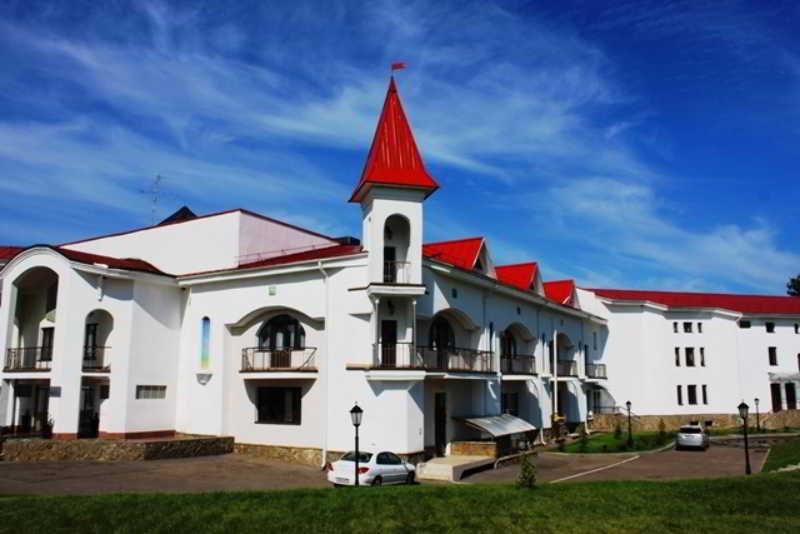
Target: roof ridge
[(461, 240)]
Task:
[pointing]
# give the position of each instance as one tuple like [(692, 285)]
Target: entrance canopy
[(500, 425)]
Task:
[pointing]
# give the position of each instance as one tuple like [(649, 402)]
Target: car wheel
[(410, 478), (377, 481)]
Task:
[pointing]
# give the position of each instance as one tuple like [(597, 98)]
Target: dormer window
[(479, 266)]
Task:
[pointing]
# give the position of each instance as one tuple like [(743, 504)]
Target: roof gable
[(561, 291), (521, 275), (393, 158), (750, 304), (461, 253)]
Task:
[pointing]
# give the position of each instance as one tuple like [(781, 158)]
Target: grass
[(767, 502), (750, 430), (600, 443), (783, 454)]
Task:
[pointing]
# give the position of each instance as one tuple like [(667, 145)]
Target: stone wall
[(473, 448), (292, 455), (773, 421), (112, 450)]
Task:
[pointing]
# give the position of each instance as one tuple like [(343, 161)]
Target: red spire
[(393, 158)]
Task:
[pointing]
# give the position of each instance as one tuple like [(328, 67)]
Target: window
[(680, 395), (594, 340), (279, 406), (282, 332), (797, 328), (702, 357), (508, 345), (773, 355), (387, 458), (791, 396), (705, 394), (691, 394), (454, 293), (770, 327), (744, 324), (687, 328), (47, 343), (151, 392), (777, 401), (677, 357), (509, 403), (205, 341), (675, 327), (699, 328), (689, 356)]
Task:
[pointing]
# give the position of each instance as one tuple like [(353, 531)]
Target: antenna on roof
[(154, 192)]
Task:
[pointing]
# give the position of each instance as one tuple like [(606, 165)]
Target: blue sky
[(633, 144)]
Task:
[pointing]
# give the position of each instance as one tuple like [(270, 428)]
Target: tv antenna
[(154, 192)]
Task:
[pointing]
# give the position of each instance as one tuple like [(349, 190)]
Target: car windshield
[(362, 456), (691, 430)]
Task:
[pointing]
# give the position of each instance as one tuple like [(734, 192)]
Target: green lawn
[(783, 454), (750, 430), (599, 443), (760, 503)]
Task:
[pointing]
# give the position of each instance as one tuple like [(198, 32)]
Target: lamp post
[(758, 419), (743, 408), (630, 431), (355, 416)]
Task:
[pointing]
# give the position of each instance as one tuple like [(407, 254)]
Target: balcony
[(29, 359), (255, 359), (97, 359), (521, 364), (397, 355), (596, 370), (567, 368), (396, 272), (456, 359)]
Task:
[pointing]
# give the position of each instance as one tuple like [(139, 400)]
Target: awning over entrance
[(500, 425)]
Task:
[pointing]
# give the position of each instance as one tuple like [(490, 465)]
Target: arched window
[(441, 335), (282, 332), (205, 343), (508, 345)]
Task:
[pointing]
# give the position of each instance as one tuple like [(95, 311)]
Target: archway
[(98, 330), (396, 239), (34, 320)]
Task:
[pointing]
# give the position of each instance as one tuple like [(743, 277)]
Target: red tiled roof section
[(393, 158), (6, 252), (128, 264), (750, 304), (520, 275), (461, 253), (560, 291), (315, 254)]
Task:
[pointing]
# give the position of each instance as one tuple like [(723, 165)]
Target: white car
[(373, 470), (692, 437)]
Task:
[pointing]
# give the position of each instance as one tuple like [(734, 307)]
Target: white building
[(237, 324)]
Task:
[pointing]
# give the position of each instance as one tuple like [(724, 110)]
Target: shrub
[(562, 445), (662, 432), (527, 474), (617, 431)]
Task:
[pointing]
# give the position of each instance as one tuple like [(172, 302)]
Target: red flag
[(398, 66)]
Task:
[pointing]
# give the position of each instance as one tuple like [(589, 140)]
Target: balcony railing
[(596, 370), (520, 364), (97, 359), (396, 355), (29, 359), (456, 359), (567, 368), (396, 272), (289, 359)]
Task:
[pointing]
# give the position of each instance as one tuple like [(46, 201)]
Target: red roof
[(753, 304), (128, 264), (560, 291), (521, 275), (6, 253), (462, 253), (314, 254), (393, 158)]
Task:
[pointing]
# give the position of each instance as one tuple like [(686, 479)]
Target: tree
[(793, 286), (527, 474)]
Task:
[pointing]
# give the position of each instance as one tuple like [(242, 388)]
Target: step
[(451, 468)]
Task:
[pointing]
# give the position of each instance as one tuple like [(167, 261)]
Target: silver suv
[(692, 437)]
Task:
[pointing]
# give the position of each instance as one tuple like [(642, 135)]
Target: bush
[(617, 431), (562, 444), (527, 474)]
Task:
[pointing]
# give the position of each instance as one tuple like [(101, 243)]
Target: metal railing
[(396, 355), (596, 370), (97, 359), (456, 359), (29, 359), (396, 272), (567, 368), (520, 364), (288, 359)]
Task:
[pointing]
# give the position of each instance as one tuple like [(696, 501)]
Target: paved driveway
[(666, 465), (208, 473)]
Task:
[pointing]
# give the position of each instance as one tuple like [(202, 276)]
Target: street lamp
[(743, 408), (758, 419), (355, 416), (630, 432)]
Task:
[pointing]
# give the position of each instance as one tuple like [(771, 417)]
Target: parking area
[(234, 472), (666, 465)]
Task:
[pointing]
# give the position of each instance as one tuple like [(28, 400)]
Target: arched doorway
[(396, 238), (442, 340), (280, 336)]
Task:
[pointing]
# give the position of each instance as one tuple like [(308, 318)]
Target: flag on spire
[(398, 66)]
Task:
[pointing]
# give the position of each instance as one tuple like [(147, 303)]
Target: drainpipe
[(325, 377), (555, 374)]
